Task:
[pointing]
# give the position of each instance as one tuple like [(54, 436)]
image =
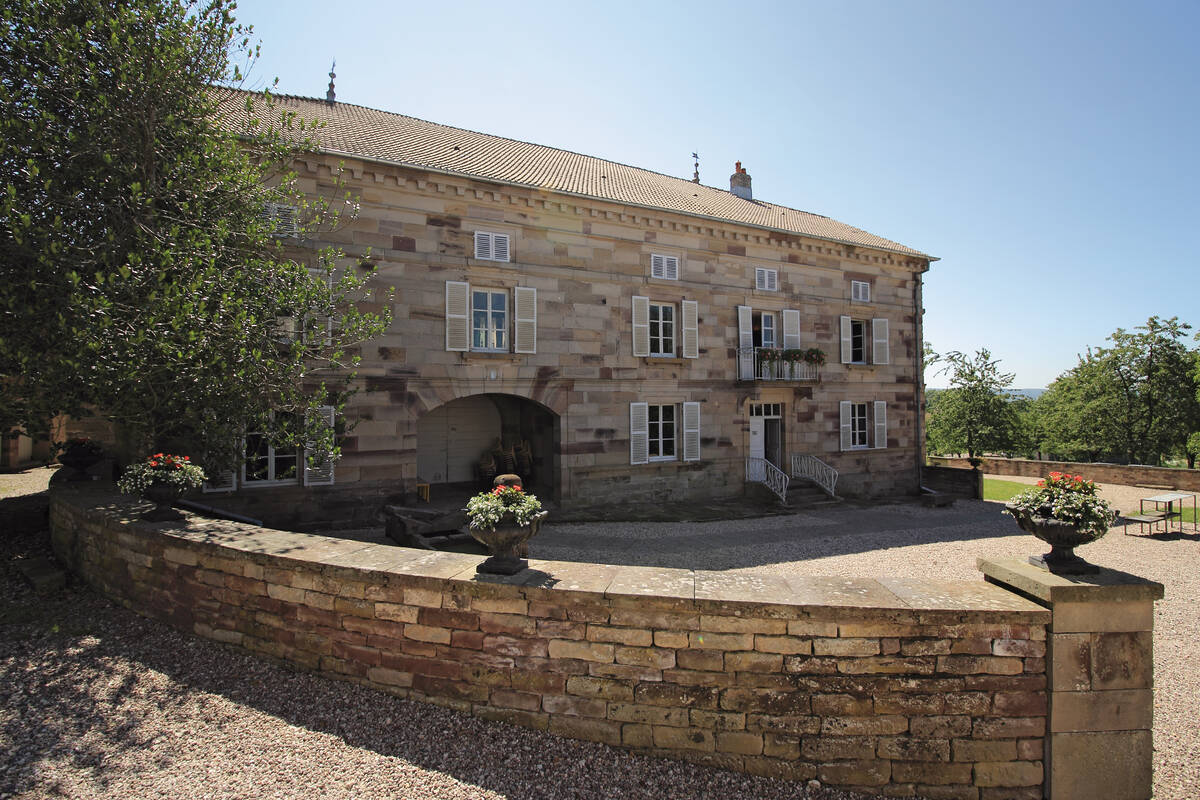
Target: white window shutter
[(880, 352), (745, 343), (847, 341), (639, 433), (483, 245), (772, 280), (791, 329), (880, 423), (321, 473), (760, 279), (658, 266), (641, 326), (691, 431), (458, 331), (500, 247), (844, 409), (525, 304), (221, 482), (691, 328), (671, 268)]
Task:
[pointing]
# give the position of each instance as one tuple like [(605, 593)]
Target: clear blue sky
[(1047, 152)]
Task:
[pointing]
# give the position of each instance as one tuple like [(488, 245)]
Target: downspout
[(919, 377)]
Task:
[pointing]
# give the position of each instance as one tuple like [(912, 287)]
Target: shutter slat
[(847, 341), (691, 328), (791, 329), (500, 246), (658, 268), (880, 349), (458, 333), (671, 268), (483, 245), (525, 302), (641, 326), (639, 433), (691, 431)]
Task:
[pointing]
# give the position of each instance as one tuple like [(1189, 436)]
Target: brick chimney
[(739, 182)]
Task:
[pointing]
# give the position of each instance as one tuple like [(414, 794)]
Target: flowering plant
[(1067, 498), (814, 356), (487, 509), (161, 468)]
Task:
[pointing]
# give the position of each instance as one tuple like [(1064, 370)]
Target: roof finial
[(330, 96), (696, 174)]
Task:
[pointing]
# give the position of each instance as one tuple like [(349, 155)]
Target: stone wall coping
[(902, 599), (1108, 585)]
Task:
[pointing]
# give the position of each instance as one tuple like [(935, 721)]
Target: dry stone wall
[(894, 687)]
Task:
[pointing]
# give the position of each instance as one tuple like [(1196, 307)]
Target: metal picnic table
[(1167, 507)]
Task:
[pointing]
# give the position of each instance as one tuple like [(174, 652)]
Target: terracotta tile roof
[(383, 136)]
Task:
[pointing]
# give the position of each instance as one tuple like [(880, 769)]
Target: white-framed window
[(662, 330), (491, 246), (665, 267), (772, 410), (863, 425), (865, 341), (767, 330), (860, 291), (490, 320), (265, 464), (655, 432), (284, 219), (665, 330), (766, 280)]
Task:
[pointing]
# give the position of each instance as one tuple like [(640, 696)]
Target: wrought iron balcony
[(766, 364)]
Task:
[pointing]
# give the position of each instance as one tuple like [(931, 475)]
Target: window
[(766, 330), (662, 329), (491, 246), (766, 280), (766, 409), (864, 343), (857, 430), (654, 432), (263, 463), (489, 320), (860, 291), (665, 267), (283, 219), (655, 333)]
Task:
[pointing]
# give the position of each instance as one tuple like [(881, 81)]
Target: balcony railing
[(764, 364)]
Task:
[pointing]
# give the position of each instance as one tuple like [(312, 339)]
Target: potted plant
[(792, 357), (503, 520), (814, 356), (768, 356), (1065, 512), (79, 454), (162, 479)]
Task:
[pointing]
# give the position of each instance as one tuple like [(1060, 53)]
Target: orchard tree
[(974, 414), (144, 275)]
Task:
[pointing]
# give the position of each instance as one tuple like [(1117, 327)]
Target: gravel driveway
[(98, 702)]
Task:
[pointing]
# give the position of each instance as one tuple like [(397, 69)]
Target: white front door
[(757, 449)]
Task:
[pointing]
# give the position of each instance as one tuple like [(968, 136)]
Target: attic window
[(283, 219), (666, 267), (491, 246), (766, 280)]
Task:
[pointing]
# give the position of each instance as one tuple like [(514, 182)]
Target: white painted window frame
[(492, 246), (860, 291), (662, 350), (664, 267), (654, 441), (766, 280)]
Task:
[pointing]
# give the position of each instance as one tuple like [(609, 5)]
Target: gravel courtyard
[(97, 702)]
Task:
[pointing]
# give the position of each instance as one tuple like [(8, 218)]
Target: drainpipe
[(919, 377)]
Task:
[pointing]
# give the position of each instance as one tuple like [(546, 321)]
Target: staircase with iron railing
[(764, 364), (814, 469), (759, 470)]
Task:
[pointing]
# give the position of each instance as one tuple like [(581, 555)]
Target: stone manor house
[(618, 334)]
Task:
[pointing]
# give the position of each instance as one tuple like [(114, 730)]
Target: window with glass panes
[(662, 329), (662, 432), (489, 320), (264, 463), (858, 425)]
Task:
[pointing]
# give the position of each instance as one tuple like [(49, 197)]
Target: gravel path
[(98, 702)]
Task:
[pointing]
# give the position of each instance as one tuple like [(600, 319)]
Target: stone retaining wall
[(965, 482), (896, 686), (1186, 480)]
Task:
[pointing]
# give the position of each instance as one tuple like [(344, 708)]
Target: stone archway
[(452, 437)]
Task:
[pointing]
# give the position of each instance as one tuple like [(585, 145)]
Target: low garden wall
[(894, 686), (963, 482), (1187, 480)]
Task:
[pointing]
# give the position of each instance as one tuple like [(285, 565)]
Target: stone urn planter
[(163, 495), (78, 456), (1063, 538), (506, 544)]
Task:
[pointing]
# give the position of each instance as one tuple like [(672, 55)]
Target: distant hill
[(1032, 394)]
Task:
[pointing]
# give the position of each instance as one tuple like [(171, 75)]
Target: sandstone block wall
[(896, 687)]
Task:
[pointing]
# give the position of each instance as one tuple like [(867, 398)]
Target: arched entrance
[(453, 439)]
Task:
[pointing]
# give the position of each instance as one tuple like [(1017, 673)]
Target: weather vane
[(696, 173)]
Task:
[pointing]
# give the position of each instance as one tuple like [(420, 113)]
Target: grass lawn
[(996, 489)]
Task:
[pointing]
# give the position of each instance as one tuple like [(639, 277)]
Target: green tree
[(1134, 401), (144, 276), (974, 414)]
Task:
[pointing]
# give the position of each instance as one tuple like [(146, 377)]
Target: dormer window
[(491, 246), (665, 267)]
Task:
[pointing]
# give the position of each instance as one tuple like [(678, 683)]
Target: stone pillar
[(1100, 669)]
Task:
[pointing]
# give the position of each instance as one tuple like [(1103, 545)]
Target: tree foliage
[(143, 280), (973, 415)]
